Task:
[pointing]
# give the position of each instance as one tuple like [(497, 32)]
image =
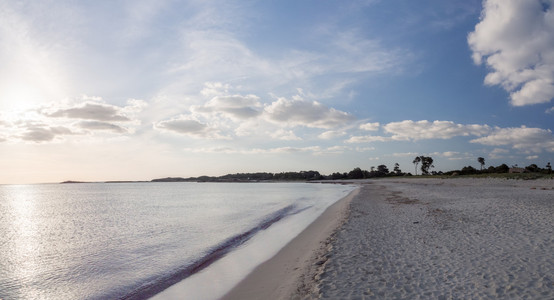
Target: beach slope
[(282, 276)]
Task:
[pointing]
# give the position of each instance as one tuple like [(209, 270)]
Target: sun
[(26, 86), (18, 97)]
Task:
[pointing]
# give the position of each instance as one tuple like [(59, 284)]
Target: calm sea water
[(132, 240)]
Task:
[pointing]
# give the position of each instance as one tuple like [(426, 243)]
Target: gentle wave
[(149, 289)]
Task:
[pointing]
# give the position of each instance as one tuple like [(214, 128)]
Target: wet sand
[(282, 275)]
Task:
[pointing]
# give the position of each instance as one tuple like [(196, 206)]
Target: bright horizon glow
[(151, 89)]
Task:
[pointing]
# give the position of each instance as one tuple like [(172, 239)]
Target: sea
[(164, 240)]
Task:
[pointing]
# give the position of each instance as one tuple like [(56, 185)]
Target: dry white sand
[(444, 239)]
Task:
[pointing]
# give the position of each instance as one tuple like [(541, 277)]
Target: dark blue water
[(132, 240)]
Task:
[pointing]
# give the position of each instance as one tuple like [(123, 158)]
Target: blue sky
[(135, 90)]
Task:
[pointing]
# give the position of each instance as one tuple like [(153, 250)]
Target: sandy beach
[(458, 238), (284, 274)]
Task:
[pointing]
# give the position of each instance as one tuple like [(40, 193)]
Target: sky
[(143, 89)]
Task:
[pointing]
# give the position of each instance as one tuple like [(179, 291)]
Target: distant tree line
[(356, 173), (245, 177), (503, 168), (425, 163)]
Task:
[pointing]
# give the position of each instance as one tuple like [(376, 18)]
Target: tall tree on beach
[(416, 161), (481, 161), (548, 168), (426, 164), (356, 173), (382, 170)]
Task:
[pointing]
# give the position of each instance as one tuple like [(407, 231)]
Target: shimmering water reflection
[(106, 241)]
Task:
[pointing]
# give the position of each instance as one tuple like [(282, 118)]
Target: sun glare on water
[(23, 244)]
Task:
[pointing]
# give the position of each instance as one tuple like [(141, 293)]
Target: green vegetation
[(521, 176), (250, 177), (425, 162)]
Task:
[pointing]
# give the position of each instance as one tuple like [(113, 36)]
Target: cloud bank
[(523, 139), (419, 130), (85, 116), (514, 39), (247, 115), (186, 125), (305, 113), (91, 111)]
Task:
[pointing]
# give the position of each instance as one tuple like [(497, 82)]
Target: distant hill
[(249, 177), (171, 179)]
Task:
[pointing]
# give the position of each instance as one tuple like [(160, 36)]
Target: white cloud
[(94, 108), (91, 117), (515, 40), (370, 126), (331, 134), (247, 116), (212, 89), (285, 135), (288, 150), (498, 153), (249, 127), (187, 125), (364, 149), (314, 150), (305, 113), (224, 150), (521, 138), (352, 52), (280, 150), (367, 139), (212, 50), (133, 107), (405, 154), (450, 153), (332, 150), (96, 125), (532, 157), (214, 56), (91, 111), (43, 133), (418, 130), (236, 107), (453, 155)]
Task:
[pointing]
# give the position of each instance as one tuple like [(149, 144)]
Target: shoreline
[(287, 273)]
